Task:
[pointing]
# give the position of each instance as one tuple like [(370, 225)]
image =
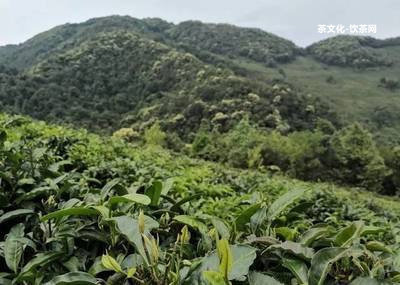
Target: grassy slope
[(355, 94)]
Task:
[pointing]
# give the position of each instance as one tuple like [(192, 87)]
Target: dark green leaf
[(15, 214), (73, 278)]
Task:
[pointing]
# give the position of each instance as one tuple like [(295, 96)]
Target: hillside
[(111, 79), (67, 36), (198, 154), (356, 94), (220, 39), (346, 71), (80, 209), (352, 51), (238, 96)]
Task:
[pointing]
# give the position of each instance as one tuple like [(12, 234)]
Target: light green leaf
[(110, 263), (192, 222), (214, 278), (225, 257), (130, 198), (221, 227), (371, 230), (130, 272), (243, 257), (286, 233)]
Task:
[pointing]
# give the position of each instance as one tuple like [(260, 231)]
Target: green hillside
[(233, 95), (116, 78), (79, 208), (232, 41), (64, 37), (359, 72), (357, 94), (198, 153), (351, 51)]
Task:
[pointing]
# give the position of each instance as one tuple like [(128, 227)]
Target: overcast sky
[(296, 20)]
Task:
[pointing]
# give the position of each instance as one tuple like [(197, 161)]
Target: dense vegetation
[(229, 40), (348, 156), (246, 53), (116, 72), (351, 51), (254, 44), (118, 78), (211, 124), (78, 209)]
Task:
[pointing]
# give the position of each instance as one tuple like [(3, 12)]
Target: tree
[(355, 159)]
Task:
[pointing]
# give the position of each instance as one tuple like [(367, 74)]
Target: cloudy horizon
[(295, 20)]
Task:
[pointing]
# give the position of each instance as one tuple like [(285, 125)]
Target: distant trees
[(348, 156), (348, 51)]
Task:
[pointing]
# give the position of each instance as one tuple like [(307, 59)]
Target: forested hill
[(345, 71), (239, 96), (112, 72), (216, 38)]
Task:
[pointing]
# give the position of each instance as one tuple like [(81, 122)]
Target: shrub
[(154, 135)]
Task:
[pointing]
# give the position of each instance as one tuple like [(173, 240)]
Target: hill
[(220, 39), (239, 96), (79, 208), (64, 37), (359, 52), (109, 79)]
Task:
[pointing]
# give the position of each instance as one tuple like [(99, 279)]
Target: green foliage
[(347, 156), (356, 159), (349, 51), (118, 72), (229, 40), (79, 209), (103, 211), (154, 136)]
